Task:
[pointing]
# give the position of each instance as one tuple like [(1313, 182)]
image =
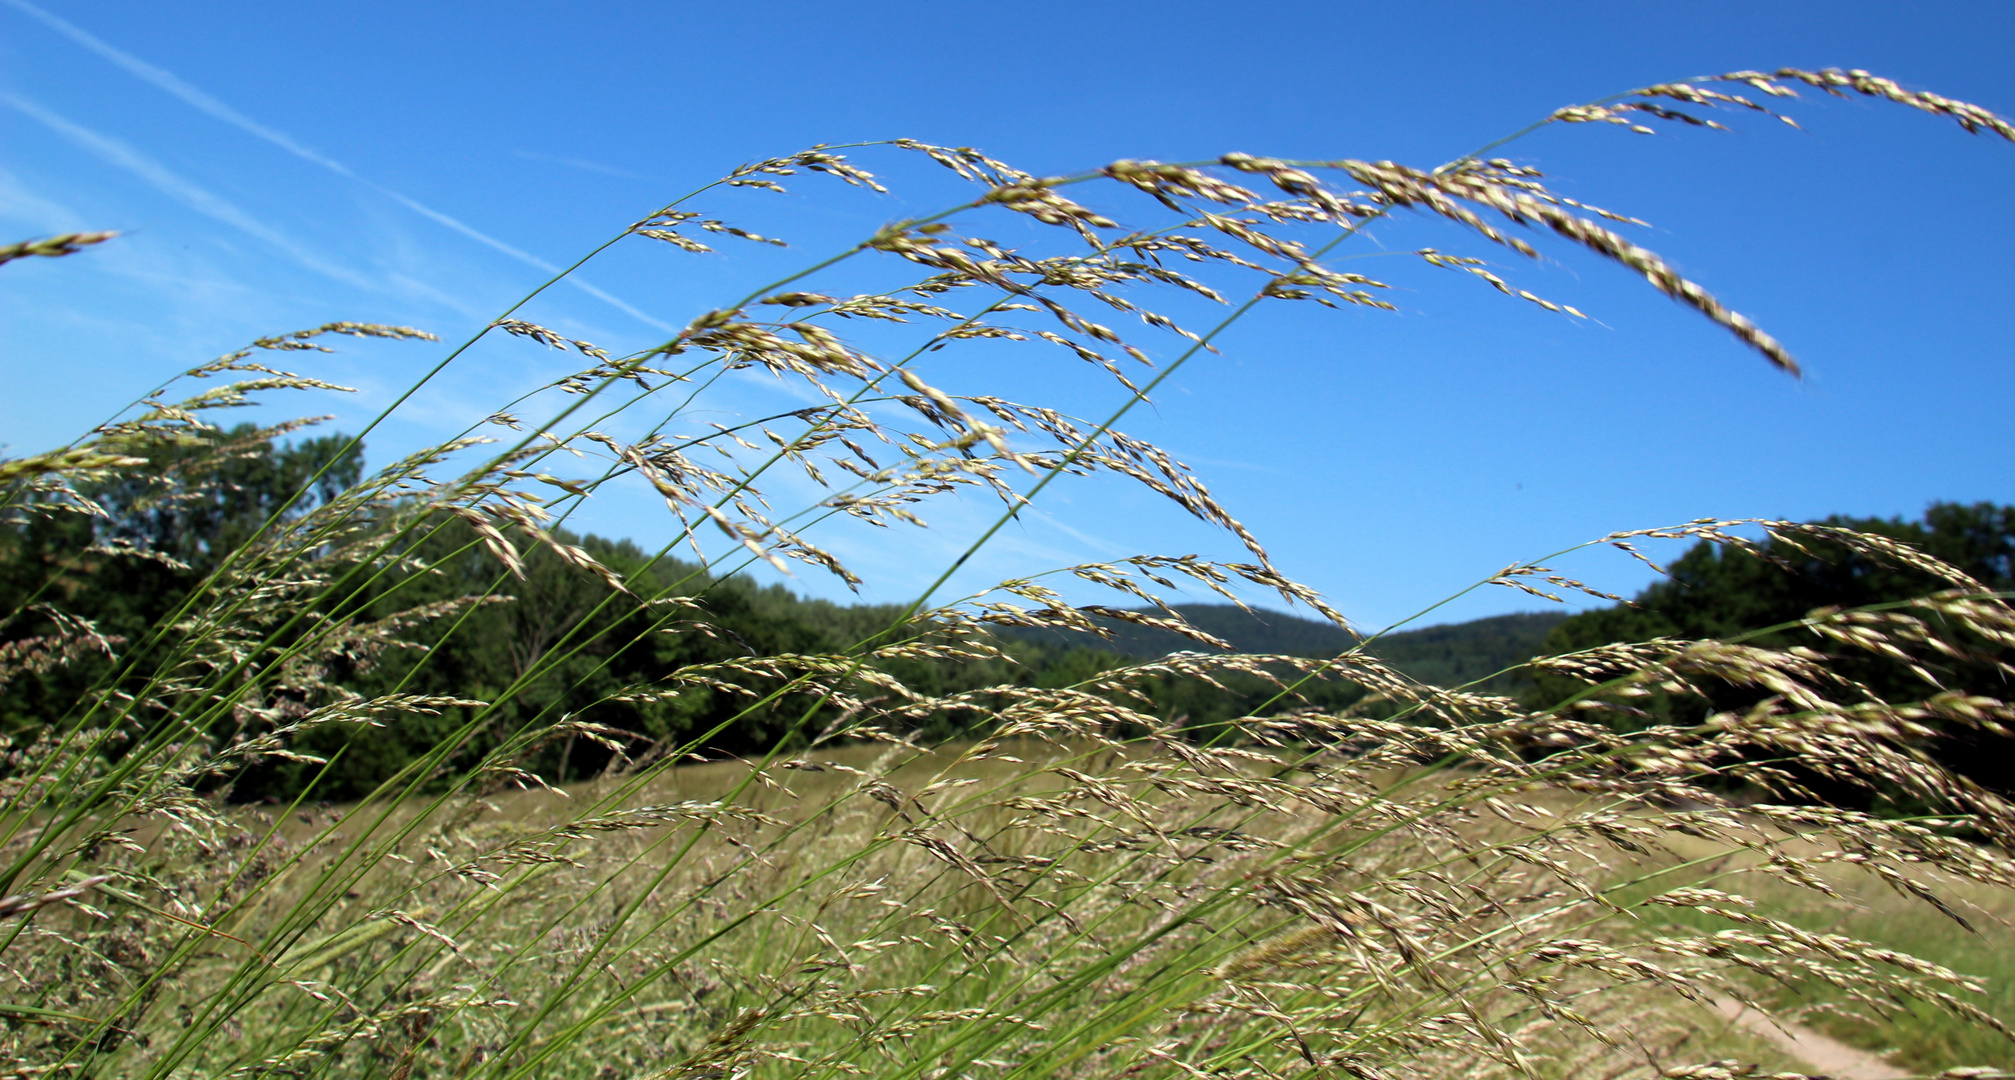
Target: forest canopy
[(161, 537), (1765, 597)]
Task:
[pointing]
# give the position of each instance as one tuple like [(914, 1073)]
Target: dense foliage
[(161, 535), (165, 531), (1446, 655), (119, 574), (1763, 596), (186, 533)]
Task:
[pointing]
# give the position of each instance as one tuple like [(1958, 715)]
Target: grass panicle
[(1433, 882)]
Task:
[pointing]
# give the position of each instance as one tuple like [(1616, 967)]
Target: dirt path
[(1819, 1053)]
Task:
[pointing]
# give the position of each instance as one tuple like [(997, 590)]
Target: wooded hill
[(558, 647), (1446, 655)]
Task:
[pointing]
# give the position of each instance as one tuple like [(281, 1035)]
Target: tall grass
[(1438, 883)]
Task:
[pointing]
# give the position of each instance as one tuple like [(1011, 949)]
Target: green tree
[(114, 576), (1721, 592)]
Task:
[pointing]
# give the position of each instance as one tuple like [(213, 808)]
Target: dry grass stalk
[(1438, 882)]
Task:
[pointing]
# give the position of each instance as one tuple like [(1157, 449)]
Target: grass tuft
[(1433, 881)]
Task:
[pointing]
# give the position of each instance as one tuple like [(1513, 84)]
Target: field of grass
[(867, 909), (775, 873), (1924, 1037)]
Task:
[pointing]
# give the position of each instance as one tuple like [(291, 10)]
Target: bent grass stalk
[(1078, 914)]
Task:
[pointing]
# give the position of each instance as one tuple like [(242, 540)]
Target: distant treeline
[(562, 646), (1479, 651), (1720, 593)]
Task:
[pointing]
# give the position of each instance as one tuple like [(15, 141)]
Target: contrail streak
[(173, 84), (183, 190)]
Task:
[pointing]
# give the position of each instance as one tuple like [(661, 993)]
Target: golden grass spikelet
[(1838, 82), (1440, 192), (54, 246), (889, 850)]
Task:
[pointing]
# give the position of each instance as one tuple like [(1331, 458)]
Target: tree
[(118, 574), (1715, 591)]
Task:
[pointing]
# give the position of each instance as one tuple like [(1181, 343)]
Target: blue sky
[(279, 166)]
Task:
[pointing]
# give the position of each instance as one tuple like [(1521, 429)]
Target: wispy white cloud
[(576, 163), (1224, 463), (168, 81), (18, 203), (189, 193), (412, 286), (1102, 547), (524, 257)]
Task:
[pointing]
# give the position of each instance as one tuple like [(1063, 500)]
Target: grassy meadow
[(315, 771)]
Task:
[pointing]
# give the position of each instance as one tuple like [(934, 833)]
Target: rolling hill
[(1445, 655)]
